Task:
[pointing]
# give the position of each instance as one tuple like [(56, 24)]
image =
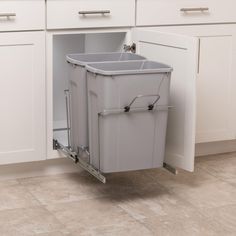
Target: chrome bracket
[(83, 164), (130, 48), (170, 168)]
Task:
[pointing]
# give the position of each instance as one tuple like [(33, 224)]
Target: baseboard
[(204, 149), (40, 168)]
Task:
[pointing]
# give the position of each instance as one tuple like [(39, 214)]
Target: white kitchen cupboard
[(202, 81), (215, 83), (180, 12), (22, 97), (74, 14), (179, 51), (216, 102), (22, 15)]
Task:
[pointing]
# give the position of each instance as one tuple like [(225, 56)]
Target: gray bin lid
[(128, 68), (85, 58)]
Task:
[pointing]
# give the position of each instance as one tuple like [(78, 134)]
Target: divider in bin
[(119, 139)]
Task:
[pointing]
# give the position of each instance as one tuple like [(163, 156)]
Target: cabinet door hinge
[(130, 48)]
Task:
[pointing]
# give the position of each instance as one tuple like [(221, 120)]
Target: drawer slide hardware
[(83, 164), (68, 152), (170, 168)]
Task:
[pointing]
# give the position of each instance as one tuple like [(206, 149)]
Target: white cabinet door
[(215, 87), (216, 97), (180, 52), (22, 97)]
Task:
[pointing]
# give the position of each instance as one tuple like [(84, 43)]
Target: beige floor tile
[(96, 217), (231, 182), (220, 168), (123, 184), (14, 195), (192, 224), (8, 183), (131, 228), (28, 221), (183, 179), (166, 204), (208, 195), (55, 233), (149, 202), (63, 188), (76, 187), (224, 216)]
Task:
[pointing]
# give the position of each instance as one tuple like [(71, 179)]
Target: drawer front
[(22, 15), (65, 14), (174, 12)]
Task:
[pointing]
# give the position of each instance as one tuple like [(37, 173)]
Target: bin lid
[(82, 59), (128, 68)]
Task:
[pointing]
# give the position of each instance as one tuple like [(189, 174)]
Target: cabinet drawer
[(64, 14), (174, 12), (22, 15)]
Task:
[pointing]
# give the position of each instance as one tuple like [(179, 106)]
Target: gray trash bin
[(128, 111), (78, 91)]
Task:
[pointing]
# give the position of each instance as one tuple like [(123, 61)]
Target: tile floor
[(139, 203)]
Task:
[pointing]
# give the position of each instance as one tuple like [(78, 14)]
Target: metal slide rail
[(74, 156)]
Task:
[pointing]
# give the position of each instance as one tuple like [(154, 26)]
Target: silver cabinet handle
[(194, 9), (7, 14), (94, 12)]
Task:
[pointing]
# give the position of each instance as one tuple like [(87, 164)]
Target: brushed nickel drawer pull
[(194, 9), (103, 12), (7, 14)]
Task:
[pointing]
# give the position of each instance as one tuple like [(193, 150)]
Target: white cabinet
[(216, 86), (18, 15), (72, 14), (214, 74), (215, 83), (179, 51), (176, 12), (203, 58), (22, 97)]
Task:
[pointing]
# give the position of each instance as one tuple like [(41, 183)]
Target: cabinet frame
[(53, 154)]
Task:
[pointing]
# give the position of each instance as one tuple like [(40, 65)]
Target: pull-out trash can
[(128, 110), (78, 91)]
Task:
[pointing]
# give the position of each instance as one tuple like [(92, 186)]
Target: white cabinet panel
[(215, 88), (175, 12), (72, 14), (22, 97), (22, 15), (215, 70), (180, 52)]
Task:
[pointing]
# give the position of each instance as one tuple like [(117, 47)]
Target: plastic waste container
[(78, 91), (128, 110)]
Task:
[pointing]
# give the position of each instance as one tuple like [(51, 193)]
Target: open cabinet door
[(180, 52)]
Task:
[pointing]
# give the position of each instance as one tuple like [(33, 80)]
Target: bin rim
[(70, 60), (90, 68)]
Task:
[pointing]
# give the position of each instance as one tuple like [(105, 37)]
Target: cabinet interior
[(75, 43)]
